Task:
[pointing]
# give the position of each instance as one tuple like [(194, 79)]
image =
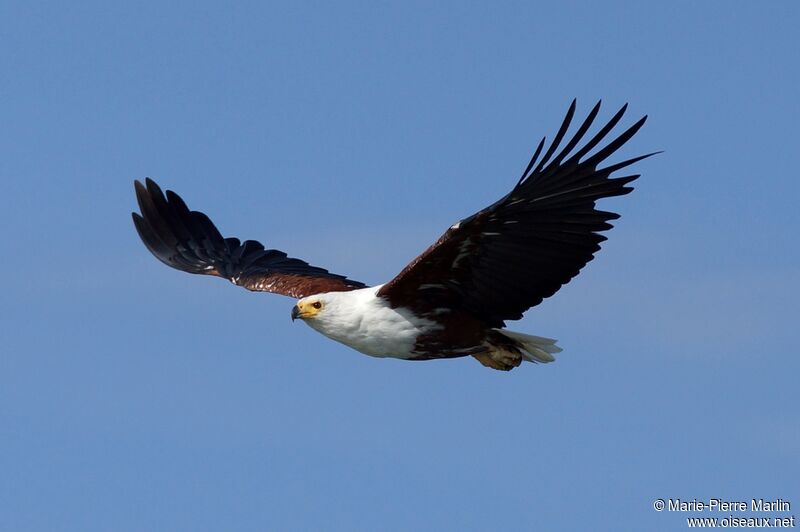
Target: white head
[(310, 307), (361, 320), (336, 314)]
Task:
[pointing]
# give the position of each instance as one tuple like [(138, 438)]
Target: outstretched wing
[(188, 241), (506, 258)]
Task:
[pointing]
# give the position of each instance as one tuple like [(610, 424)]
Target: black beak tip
[(295, 312)]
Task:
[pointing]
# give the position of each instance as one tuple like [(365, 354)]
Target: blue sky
[(134, 397)]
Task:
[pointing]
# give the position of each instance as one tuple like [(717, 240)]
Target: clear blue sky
[(134, 397)]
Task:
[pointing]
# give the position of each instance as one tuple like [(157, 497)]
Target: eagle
[(454, 299)]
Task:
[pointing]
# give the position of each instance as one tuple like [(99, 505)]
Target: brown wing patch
[(294, 285)]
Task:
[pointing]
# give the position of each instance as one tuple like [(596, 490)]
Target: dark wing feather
[(503, 260), (188, 241)]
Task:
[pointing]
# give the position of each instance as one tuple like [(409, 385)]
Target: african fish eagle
[(453, 299)]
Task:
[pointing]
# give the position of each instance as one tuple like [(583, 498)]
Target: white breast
[(368, 324)]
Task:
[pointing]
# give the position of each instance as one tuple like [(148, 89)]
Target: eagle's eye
[(317, 305)]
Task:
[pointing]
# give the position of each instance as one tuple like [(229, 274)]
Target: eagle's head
[(345, 316), (308, 307)]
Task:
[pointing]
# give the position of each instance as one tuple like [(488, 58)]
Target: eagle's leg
[(505, 350), (498, 358)]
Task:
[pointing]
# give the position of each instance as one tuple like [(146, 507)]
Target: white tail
[(534, 348)]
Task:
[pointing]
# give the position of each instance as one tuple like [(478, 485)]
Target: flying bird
[(452, 300)]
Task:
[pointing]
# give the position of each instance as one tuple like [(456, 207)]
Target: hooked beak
[(295, 312)]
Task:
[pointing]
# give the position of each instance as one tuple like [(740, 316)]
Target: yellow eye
[(317, 305)]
